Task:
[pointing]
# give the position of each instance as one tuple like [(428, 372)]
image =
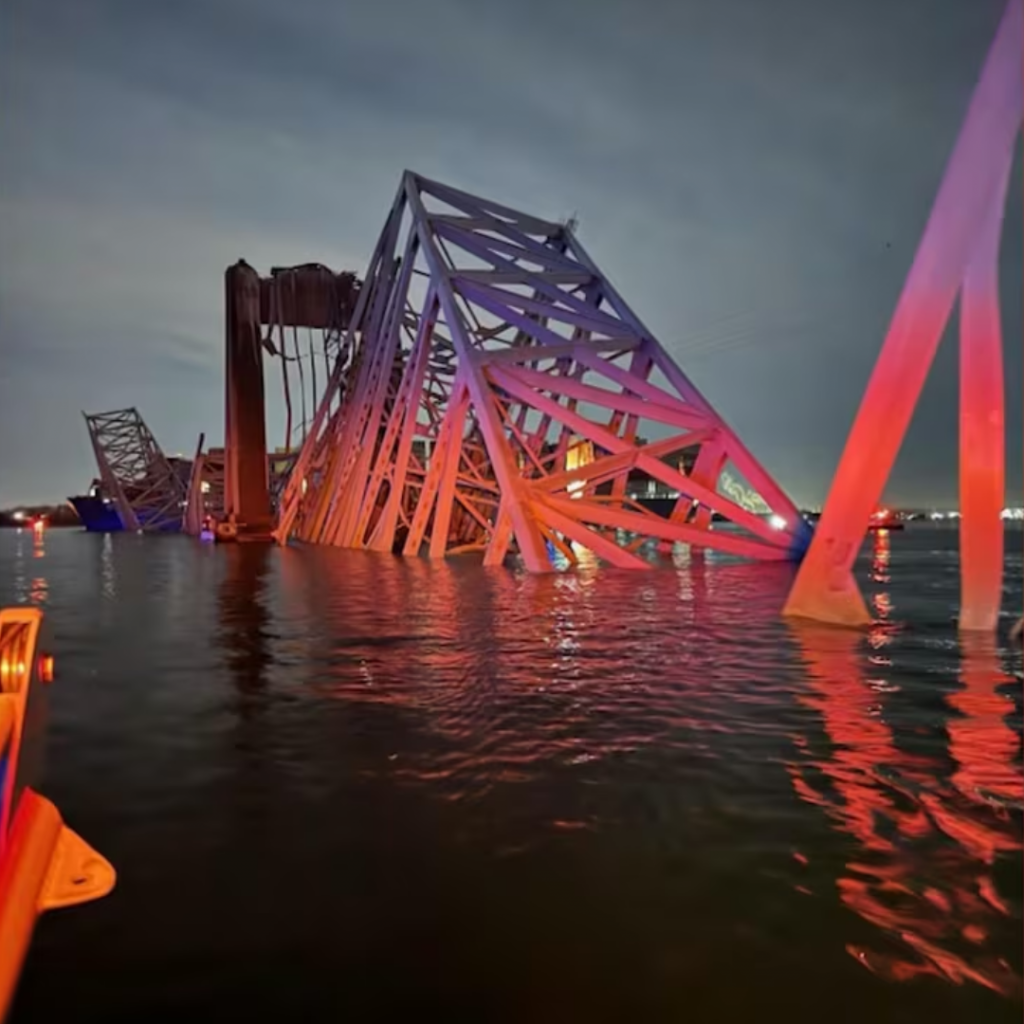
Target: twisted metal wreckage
[(493, 393), (487, 389)]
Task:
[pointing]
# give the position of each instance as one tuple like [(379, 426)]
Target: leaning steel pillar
[(246, 477), (957, 250), (982, 430)]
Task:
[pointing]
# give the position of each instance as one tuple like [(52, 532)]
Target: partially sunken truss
[(494, 393), (146, 488)]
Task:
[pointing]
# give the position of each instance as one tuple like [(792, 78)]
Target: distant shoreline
[(55, 516)]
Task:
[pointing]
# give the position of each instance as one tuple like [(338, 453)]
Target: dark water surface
[(347, 787)]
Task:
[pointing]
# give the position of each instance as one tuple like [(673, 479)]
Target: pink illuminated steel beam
[(958, 249), (982, 430), (500, 397)]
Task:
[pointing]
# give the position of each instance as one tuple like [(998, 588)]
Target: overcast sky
[(753, 174)]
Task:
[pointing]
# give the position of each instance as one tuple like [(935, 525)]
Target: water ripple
[(654, 772)]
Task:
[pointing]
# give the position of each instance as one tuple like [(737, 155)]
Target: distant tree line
[(55, 515)]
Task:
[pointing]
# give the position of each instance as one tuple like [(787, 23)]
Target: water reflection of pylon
[(923, 871), (243, 620), (984, 746)]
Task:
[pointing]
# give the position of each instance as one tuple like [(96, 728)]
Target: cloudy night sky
[(753, 175)]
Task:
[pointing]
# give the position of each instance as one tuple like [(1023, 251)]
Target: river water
[(343, 786)]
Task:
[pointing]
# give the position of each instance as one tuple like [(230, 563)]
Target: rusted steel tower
[(311, 298), (246, 487)]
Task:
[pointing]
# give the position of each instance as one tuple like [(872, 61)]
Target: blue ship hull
[(97, 515)]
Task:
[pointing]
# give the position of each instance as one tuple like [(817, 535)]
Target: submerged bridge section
[(147, 489), (495, 393)]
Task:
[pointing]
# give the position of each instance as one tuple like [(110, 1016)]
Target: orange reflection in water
[(38, 591), (922, 870), (881, 554), (518, 671), (981, 742)]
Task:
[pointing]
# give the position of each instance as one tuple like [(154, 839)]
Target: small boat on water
[(884, 519)]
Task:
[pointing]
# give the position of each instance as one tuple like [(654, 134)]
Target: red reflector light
[(46, 668)]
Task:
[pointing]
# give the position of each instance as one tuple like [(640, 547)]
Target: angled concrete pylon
[(496, 393), (958, 255)]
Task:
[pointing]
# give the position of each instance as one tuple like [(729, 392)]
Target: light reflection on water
[(926, 841), (28, 580), (920, 868), (649, 779)]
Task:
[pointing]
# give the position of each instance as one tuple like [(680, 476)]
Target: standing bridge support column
[(246, 483), (958, 254), (304, 311)]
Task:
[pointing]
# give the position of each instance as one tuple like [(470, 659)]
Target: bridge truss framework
[(147, 489), (496, 393)]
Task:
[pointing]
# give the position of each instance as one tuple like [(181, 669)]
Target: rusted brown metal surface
[(309, 296), (246, 485)]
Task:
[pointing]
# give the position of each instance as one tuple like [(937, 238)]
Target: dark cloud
[(754, 176)]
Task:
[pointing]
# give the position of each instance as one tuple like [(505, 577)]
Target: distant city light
[(19, 516)]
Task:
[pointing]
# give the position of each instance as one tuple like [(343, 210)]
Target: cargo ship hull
[(98, 515)]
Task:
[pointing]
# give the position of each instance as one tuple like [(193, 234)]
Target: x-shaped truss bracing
[(147, 489), (497, 394)]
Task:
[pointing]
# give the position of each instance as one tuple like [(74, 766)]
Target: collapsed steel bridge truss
[(145, 486), (496, 393)]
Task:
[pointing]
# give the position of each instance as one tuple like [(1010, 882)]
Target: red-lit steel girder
[(958, 255)]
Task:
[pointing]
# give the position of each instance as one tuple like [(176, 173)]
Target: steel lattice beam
[(496, 393), (147, 489)]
